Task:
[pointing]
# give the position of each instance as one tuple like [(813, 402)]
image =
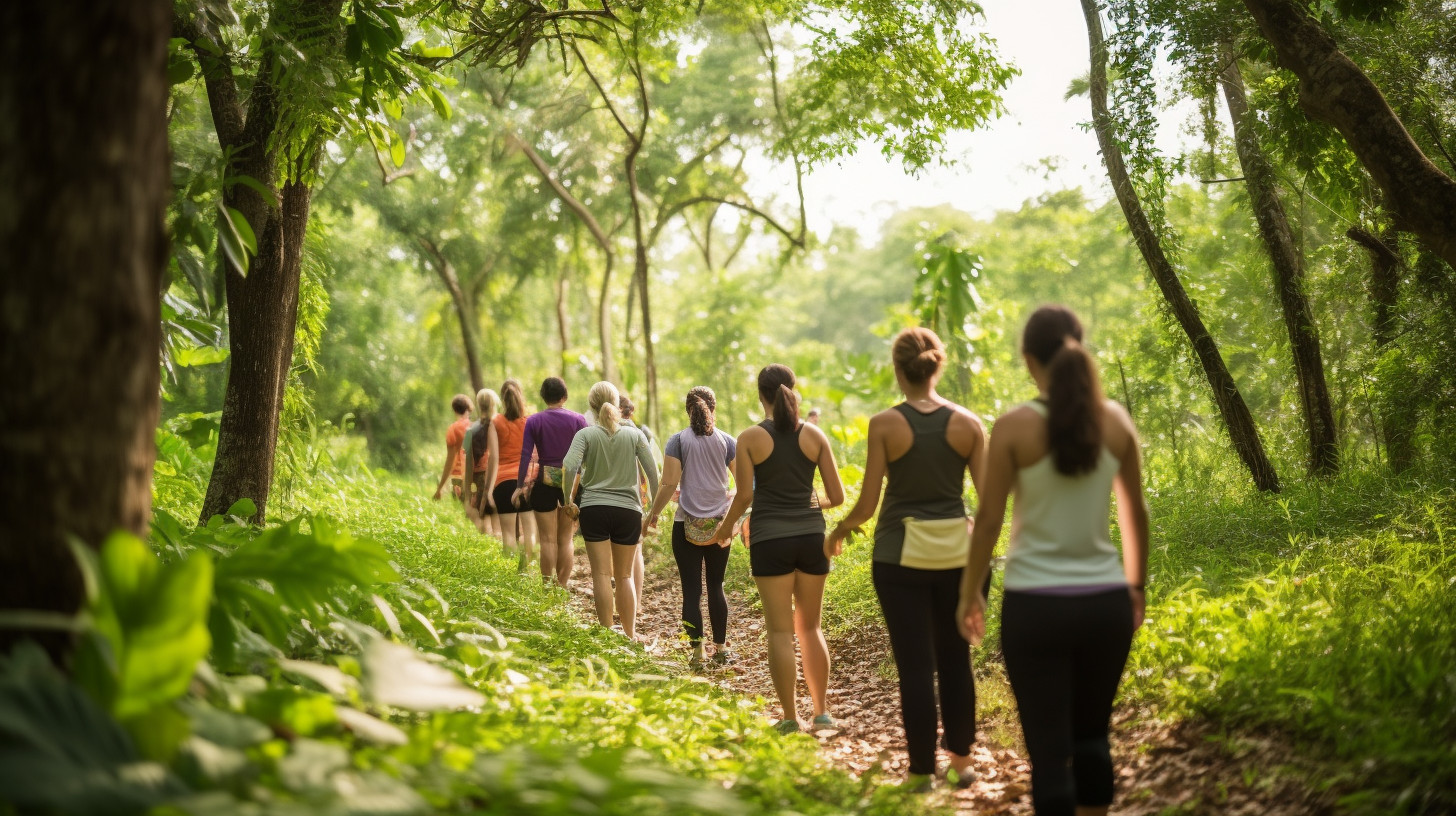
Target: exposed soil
[(1185, 768)]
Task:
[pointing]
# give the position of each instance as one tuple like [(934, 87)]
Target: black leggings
[(920, 614), (690, 561), (1064, 657)]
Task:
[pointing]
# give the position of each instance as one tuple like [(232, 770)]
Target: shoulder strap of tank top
[(1038, 405), (936, 420)]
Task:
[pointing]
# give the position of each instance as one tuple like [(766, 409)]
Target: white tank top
[(1060, 529)]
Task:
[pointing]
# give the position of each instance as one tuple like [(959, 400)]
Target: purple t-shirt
[(705, 471), (548, 433)]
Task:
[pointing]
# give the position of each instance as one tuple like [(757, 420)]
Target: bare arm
[(649, 465), (994, 490), (743, 477), (451, 451), (876, 464), (492, 468), (671, 475), (1132, 518), (833, 487)]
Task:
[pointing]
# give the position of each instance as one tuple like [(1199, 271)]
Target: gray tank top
[(784, 502), (928, 482)]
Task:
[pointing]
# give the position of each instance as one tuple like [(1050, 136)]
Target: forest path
[(1184, 769)]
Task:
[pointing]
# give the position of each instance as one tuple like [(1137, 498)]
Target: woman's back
[(784, 501), (1061, 527), (608, 463), (704, 471), (926, 482), (508, 434)]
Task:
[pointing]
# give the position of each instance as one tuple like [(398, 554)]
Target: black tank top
[(928, 482), (784, 502)]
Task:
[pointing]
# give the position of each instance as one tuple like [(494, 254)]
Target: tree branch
[(216, 63)]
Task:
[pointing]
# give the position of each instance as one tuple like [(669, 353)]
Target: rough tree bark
[(1289, 279), (84, 185), (1234, 411), (1333, 89), (262, 304), (562, 331), (464, 311), (1397, 415)]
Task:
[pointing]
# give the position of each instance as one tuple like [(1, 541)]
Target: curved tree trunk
[(641, 279), (1397, 414), (1289, 279), (563, 333), (84, 185), (1231, 406), (1334, 90), (464, 312)]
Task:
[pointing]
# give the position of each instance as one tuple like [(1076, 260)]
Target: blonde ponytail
[(486, 401), (603, 401)]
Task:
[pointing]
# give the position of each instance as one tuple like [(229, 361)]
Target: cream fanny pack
[(935, 544)]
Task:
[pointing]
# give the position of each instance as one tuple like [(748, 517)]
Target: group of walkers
[(1071, 603)]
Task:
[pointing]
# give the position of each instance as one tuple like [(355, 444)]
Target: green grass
[(566, 689)]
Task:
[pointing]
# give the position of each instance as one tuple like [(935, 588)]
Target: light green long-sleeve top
[(609, 466)]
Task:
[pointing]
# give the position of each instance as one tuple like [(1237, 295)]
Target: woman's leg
[(717, 562), (565, 552), (1098, 659), (546, 524), (777, 594), (639, 571), (953, 667), (689, 560), (507, 523), (907, 607), (624, 560), (808, 605), (1036, 646), (599, 558), (526, 534)]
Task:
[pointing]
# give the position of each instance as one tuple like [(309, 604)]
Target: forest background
[(376, 206)]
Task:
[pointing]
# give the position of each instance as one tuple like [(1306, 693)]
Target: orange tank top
[(508, 436)]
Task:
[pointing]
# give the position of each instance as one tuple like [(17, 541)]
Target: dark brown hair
[(918, 354), (553, 390), (513, 402), (1053, 336), (701, 403), (461, 404), (776, 387), (627, 406)]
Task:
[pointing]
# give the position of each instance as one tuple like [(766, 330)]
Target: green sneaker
[(918, 783), (787, 726), (823, 722)]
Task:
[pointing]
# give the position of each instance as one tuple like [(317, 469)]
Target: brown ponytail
[(776, 387), (1053, 336), (701, 403)]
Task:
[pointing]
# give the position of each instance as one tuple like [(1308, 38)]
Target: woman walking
[(510, 429), (548, 435), (482, 455), (778, 457), (1072, 603), (699, 459), (604, 457), (925, 445)]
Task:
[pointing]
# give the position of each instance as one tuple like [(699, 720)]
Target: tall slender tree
[(1287, 261), (84, 186), (1226, 395)]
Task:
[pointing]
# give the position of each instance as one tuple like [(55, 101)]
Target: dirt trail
[(1187, 768)]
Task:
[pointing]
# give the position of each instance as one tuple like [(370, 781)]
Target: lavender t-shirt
[(705, 472), (548, 434)]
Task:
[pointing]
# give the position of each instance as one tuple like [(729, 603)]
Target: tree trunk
[(464, 311), (1235, 413), (1333, 89), (262, 314), (562, 331), (1397, 414), (1288, 264), (641, 277), (84, 185), (585, 216)]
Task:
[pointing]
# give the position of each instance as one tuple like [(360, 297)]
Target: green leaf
[(419, 49), (256, 186), (438, 101), (353, 43), (199, 356), (243, 508), (396, 149)]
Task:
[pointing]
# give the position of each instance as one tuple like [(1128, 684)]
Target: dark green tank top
[(784, 502), (928, 482)]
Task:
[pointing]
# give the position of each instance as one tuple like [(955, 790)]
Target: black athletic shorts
[(602, 522), (502, 495), (545, 498), (782, 556)]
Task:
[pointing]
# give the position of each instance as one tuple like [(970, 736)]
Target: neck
[(921, 393)]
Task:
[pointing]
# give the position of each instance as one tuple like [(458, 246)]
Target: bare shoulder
[(885, 420), (965, 418), (1119, 422), (1020, 416)]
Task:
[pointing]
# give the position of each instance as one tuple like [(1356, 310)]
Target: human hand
[(971, 618), (572, 511), (490, 502), (438, 491), (517, 496), (834, 543)]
